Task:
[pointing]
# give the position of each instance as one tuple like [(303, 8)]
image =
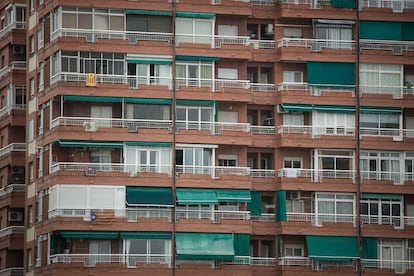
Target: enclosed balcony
[(396, 6)]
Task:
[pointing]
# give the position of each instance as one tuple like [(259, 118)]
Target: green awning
[(369, 248), (408, 31), (233, 195), (255, 206), (149, 196), (196, 15), (149, 144), (380, 110), (297, 107), (195, 103), (149, 61), (347, 4), (332, 248), (204, 246), (335, 74), (381, 196), (149, 12), (335, 108), (146, 235), (380, 30), (241, 245), (90, 144), (196, 196), (280, 206), (197, 58), (148, 101), (92, 99), (89, 235)]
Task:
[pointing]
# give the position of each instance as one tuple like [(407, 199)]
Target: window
[(293, 76), (294, 250), (148, 159), (409, 166), (391, 254), (144, 23), (294, 206), (381, 211), (93, 62), (40, 36), (292, 162), (40, 206), (29, 260), (198, 74), (330, 123), (148, 249), (194, 117), (101, 251), (380, 124), (150, 74), (148, 111), (337, 36), (293, 119), (194, 160), (381, 166), (31, 172), (39, 251), (31, 130), (42, 76), (330, 207), (194, 30), (101, 157), (291, 32), (32, 45), (98, 19), (333, 164), (227, 73), (30, 215), (226, 160), (381, 78), (262, 248), (32, 87)]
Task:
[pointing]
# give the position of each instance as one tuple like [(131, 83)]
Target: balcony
[(9, 108), (216, 216), (15, 25), (11, 230), (316, 45), (399, 266), (397, 92), (262, 87), (124, 260), (12, 271), (215, 85), (14, 65), (315, 132), (12, 188), (395, 5), (318, 219), (214, 127), (397, 178), (316, 175), (316, 265), (302, 87), (18, 147)]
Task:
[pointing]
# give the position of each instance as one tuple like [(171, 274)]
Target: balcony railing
[(400, 266), (398, 47), (131, 124), (395, 177), (131, 260), (214, 127), (262, 44), (395, 5), (220, 40), (213, 215), (12, 188), (316, 175), (316, 45), (267, 130), (7, 109), (262, 87), (11, 230), (12, 271), (12, 147), (248, 260), (295, 261), (15, 25), (264, 218), (396, 221), (319, 219), (92, 169), (286, 87), (14, 65), (262, 173), (316, 131), (263, 2), (213, 171)]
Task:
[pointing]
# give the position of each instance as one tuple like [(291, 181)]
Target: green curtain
[(347, 4), (380, 30), (281, 206), (241, 245), (408, 31), (369, 248), (335, 74), (255, 206)]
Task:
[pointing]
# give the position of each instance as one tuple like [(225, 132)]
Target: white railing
[(12, 271), (397, 92), (400, 266), (262, 173), (316, 45), (396, 221), (296, 261), (398, 47), (91, 169), (15, 25), (12, 230), (131, 124), (81, 77), (14, 65), (264, 218), (230, 40), (316, 131), (315, 90), (316, 175), (7, 109), (235, 84), (213, 127), (135, 81), (318, 219), (213, 215), (134, 214), (395, 5), (307, 130), (395, 177), (266, 130), (388, 132), (12, 147), (262, 87), (12, 188), (94, 35), (91, 260), (263, 2), (262, 44), (213, 171)]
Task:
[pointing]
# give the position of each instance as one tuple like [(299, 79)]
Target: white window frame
[(199, 124), (294, 247), (149, 255), (194, 37), (292, 77), (335, 198), (198, 81), (383, 170), (368, 69), (327, 123), (228, 158), (397, 221)]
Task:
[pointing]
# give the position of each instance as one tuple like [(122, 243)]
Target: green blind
[(255, 206), (196, 15), (197, 58), (196, 196), (146, 235), (241, 245), (148, 101), (380, 110), (281, 206), (380, 30), (335, 74), (149, 144), (70, 143), (349, 4), (89, 235), (136, 196), (92, 99), (149, 61), (149, 12), (332, 248), (408, 31), (233, 195), (335, 108), (297, 107), (381, 196), (204, 246), (369, 248), (195, 103)]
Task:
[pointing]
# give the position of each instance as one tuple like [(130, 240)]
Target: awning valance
[(146, 235), (90, 144), (233, 195), (89, 235), (197, 58), (149, 144), (148, 196), (380, 110), (196, 196), (335, 108), (149, 12), (196, 15), (381, 196), (297, 107), (148, 101), (204, 246), (195, 103), (92, 99), (332, 248)]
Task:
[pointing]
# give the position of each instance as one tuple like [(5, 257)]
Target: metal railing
[(262, 173), (262, 130), (213, 215), (400, 266), (398, 47), (213, 127), (14, 25), (14, 65), (220, 40), (315, 90), (395, 177), (135, 81), (316, 45), (262, 44), (7, 109), (12, 147), (81, 77), (316, 175), (318, 219), (213, 171), (316, 131), (12, 271), (264, 218), (12, 188), (12, 230), (134, 214), (131, 124), (296, 261), (395, 5), (262, 87), (396, 221), (131, 260)]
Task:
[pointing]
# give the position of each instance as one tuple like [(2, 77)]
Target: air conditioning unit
[(90, 126), (17, 170), (19, 49), (15, 216), (269, 29), (294, 195)]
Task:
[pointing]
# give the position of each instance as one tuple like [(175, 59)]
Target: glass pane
[(138, 247), (157, 247)]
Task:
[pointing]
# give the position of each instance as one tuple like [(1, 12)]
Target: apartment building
[(12, 135), (225, 137)]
